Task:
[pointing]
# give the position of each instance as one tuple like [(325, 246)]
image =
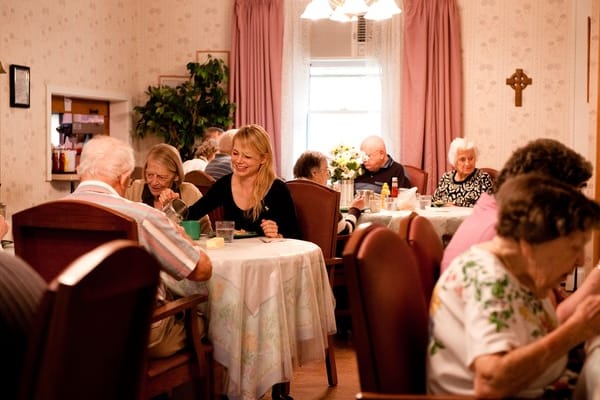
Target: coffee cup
[(192, 228)]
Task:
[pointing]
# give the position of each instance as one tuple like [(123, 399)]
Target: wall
[(112, 46), (538, 36), (122, 46)]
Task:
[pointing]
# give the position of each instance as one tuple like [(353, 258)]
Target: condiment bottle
[(385, 192), (394, 187)]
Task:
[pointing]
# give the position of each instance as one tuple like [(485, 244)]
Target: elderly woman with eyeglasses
[(465, 183), (495, 332), (312, 165), (163, 181)]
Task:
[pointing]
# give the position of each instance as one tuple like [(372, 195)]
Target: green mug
[(192, 228)]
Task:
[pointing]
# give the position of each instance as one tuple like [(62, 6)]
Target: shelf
[(65, 177)]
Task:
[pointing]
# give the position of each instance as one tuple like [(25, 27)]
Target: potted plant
[(181, 114)]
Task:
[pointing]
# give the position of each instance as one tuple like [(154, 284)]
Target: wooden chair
[(417, 177), (91, 332), (51, 235), (317, 209), (492, 172), (200, 179), (428, 250), (389, 314), (203, 182)]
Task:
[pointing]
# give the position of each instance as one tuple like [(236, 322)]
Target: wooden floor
[(310, 381)]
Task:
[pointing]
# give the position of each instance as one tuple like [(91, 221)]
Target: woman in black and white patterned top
[(463, 185)]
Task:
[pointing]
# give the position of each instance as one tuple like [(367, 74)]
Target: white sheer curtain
[(383, 48), (296, 67)]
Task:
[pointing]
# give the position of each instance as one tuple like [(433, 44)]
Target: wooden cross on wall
[(519, 81)]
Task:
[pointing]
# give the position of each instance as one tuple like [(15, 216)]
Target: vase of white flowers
[(344, 167)]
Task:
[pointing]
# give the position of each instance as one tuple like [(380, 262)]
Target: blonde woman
[(252, 195), (163, 182)]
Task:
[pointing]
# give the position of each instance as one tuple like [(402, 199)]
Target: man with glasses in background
[(379, 167)]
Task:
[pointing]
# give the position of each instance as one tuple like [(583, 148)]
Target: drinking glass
[(225, 230), (424, 201), (176, 210)]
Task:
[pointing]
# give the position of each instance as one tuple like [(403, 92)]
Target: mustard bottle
[(385, 192)]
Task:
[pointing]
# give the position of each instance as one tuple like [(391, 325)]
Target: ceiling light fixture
[(350, 10)]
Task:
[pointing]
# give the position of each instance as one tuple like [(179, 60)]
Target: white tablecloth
[(445, 220), (271, 309)]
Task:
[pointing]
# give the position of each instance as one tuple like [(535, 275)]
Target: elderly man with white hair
[(465, 183)]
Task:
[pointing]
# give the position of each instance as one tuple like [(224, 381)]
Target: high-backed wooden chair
[(428, 250), (417, 177), (389, 315), (492, 172), (91, 332), (200, 179), (317, 210), (203, 182), (51, 235)]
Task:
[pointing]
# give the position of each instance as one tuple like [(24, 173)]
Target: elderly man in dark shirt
[(379, 167)]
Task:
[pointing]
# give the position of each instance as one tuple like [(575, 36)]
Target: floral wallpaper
[(123, 46), (119, 46), (500, 36)]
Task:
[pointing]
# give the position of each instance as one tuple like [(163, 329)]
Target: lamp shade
[(317, 9)]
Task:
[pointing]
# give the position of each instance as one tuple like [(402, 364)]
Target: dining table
[(445, 220), (270, 310)]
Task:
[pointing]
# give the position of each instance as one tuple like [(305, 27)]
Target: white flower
[(345, 163)]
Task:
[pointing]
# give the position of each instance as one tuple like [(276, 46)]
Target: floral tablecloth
[(445, 220), (271, 309)]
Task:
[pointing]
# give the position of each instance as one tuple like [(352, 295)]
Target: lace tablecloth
[(271, 309), (445, 220)]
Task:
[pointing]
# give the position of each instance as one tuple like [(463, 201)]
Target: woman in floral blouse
[(463, 185), (494, 330)]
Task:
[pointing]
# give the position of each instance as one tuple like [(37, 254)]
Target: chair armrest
[(177, 306)]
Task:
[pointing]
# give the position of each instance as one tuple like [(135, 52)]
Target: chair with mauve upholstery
[(91, 331), (428, 250), (417, 177), (203, 182), (51, 235), (492, 172), (200, 179), (317, 210), (389, 314)]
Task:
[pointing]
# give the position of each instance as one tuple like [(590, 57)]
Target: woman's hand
[(270, 228), (166, 196), (358, 202)]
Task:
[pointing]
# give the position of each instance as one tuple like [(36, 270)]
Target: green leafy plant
[(181, 114)]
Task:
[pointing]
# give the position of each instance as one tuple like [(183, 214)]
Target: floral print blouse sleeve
[(479, 308)]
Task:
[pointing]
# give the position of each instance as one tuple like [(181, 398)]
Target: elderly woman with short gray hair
[(465, 183)]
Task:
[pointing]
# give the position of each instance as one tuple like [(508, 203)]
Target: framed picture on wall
[(19, 86), (172, 80), (202, 55)]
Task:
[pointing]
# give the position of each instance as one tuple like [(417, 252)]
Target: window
[(344, 103)]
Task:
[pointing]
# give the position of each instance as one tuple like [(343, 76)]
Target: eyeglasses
[(159, 178), (367, 156)]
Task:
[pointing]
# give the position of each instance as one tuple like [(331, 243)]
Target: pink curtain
[(431, 85), (256, 62)]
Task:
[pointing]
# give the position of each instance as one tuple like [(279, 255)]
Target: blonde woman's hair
[(256, 138), (167, 156)]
